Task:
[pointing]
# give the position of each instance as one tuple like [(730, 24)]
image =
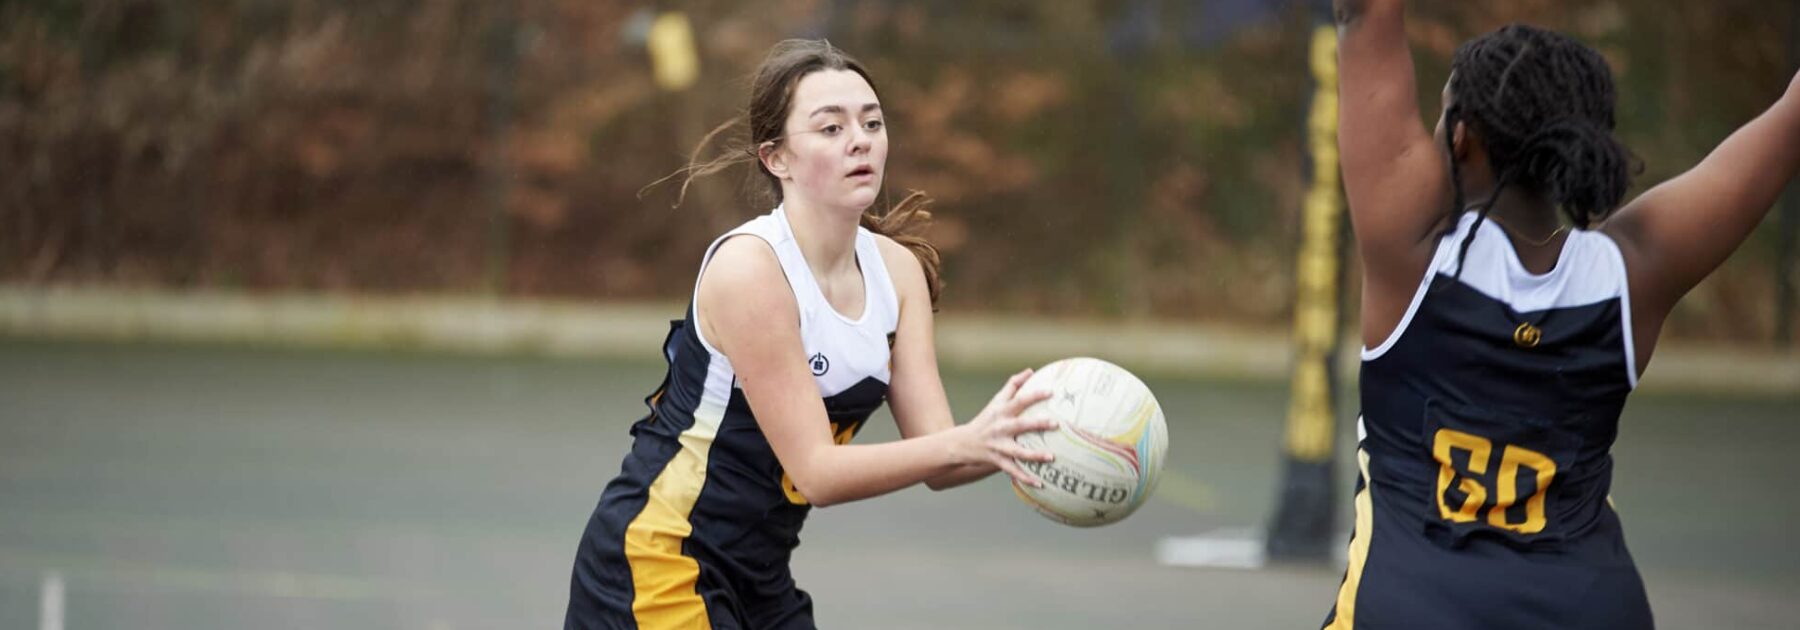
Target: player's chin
[(862, 196)]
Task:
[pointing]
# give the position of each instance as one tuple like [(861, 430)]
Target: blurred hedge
[(1133, 159)]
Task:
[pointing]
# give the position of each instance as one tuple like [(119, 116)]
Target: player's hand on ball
[(998, 425)]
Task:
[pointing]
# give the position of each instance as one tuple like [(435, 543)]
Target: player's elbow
[(812, 490), (821, 499)]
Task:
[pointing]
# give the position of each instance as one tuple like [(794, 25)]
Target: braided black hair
[(1543, 106)]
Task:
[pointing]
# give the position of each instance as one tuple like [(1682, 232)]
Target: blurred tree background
[(1127, 159)]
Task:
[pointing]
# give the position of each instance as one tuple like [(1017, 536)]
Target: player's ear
[(773, 158), (1459, 141)]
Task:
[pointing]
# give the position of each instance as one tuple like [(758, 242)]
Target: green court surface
[(209, 487)]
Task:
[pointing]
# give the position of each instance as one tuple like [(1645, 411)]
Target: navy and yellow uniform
[(1484, 448), (697, 529)]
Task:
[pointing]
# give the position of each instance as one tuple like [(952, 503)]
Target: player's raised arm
[(1393, 170), (1680, 231)]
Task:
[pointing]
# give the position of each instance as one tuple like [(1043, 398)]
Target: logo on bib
[(820, 365), (1527, 336)]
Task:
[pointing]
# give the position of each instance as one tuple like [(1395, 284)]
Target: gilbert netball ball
[(1109, 446)]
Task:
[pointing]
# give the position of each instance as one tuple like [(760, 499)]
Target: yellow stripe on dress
[(1359, 549), (664, 578)]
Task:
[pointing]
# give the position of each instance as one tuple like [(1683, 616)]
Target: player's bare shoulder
[(904, 267), (742, 260), (742, 284)]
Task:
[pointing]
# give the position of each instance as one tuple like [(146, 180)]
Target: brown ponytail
[(906, 223)]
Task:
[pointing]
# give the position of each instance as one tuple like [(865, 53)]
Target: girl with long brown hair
[(803, 322)]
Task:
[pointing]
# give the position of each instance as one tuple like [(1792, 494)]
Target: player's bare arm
[(1676, 234), (751, 316), (916, 393), (1393, 171)]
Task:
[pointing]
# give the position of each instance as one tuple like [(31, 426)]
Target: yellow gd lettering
[(1478, 450), (1512, 458)]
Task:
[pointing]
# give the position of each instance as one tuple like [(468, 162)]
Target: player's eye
[(831, 129), (873, 124)]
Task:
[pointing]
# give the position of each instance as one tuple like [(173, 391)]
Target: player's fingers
[(1025, 400), (1011, 388), (1018, 474), (1018, 451), (1036, 424), (1014, 427), (1018, 380)]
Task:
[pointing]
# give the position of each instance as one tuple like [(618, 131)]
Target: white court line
[(1225, 548), (1230, 548), (207, 580), (50, 602)]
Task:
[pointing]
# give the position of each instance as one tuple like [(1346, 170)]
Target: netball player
[(803, 323), (1510, 302)]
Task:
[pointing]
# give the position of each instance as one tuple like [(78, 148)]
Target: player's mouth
[(862, 173)]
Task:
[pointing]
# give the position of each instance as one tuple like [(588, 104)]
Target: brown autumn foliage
[(1116, 159)]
